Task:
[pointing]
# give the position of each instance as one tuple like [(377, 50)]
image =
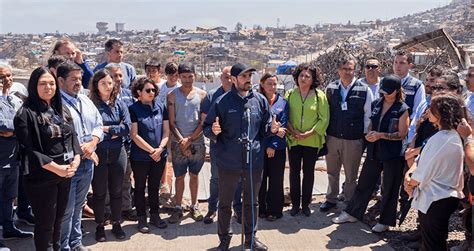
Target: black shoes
[(256, 245), (27, 219), (306, 211), (15, 233), (100, 233), (209, 218), (156, 220), (326, 206), (294, 211), (143, 225), (117, 231)]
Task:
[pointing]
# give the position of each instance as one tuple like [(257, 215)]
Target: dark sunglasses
[(371, 66), (150, 90)]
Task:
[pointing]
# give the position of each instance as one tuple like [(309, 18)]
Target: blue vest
[(410, 87), (348, 124), (387, 149)]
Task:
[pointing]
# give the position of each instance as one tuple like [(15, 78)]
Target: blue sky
[(72, 16)]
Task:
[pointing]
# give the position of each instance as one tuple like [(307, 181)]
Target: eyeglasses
[(371, 66), (149, 90)]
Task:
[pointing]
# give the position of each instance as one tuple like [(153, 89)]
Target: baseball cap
[(389, 84), (240, 68)]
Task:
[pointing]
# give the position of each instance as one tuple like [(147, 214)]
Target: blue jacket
[(86, 74), (118, 120), (230, 108), (280, 109), (208, 101), (8, 145)]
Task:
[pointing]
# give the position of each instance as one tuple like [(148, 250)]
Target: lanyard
[(302, 105), (341, 100), (79, 111)]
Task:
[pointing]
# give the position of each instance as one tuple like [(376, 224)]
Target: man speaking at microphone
[(227, 125)]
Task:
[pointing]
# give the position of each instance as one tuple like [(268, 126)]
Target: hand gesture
[(156, 154), (372, 136), (281, 132), (464, 129), (216, 127), (78, 59), (270, 152)]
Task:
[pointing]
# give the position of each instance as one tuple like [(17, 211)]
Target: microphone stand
[(247, 145)]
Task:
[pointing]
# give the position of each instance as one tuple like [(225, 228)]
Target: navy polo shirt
[(150, 128)]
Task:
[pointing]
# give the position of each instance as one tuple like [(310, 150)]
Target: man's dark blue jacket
[(230, 108)]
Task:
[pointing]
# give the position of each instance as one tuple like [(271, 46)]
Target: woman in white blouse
[(436, 182)]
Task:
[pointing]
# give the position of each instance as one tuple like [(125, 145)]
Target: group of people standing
[(77, 128)]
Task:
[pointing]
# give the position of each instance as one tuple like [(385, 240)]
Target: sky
[(72, 16)]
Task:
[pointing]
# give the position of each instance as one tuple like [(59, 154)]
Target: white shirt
[(439, 170), (367, 106), (164, 91)]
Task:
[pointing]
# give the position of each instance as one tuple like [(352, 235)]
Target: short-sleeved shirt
[(150, 128)]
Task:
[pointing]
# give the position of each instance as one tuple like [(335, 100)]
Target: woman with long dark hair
[(270, 197), (388, 127), (436, 182), (50, 152), (108, 175), (308, 120)]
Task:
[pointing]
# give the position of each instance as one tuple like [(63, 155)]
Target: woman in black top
[(50, 153), (388, 127)]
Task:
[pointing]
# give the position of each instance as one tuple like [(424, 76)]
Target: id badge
[(86, 138), (68, 156), (344, 106)]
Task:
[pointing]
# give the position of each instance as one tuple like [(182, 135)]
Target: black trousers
[(151, 172), (391, 181), (108, 175), (228, 181), (309, 157), (48, 200), (270, 197), (434, 224)]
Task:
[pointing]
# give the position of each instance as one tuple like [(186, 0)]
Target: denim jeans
[(214, 189), (71, 235), (8, 189)]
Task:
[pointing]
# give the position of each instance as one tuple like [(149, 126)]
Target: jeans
[(108, 175), (8, 189), (71, 235), (214, 188), (49, 199), (147, 172)]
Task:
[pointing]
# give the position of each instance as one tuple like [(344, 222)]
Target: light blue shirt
[(373, 87), (367, 106), (91, 122), (417, 115), (470, 104)]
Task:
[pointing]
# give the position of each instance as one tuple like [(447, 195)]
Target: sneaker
[(117, 231), (27, 219), (176, 216), (209, 218), (16, 234), (196, 214), (142, 225), (326, 206), (380, 228), (80, 248), (344, 218), (225, 243), (156, 220), (294, 211), (256, 245), (306, 211), (100, 233), (129, 215)]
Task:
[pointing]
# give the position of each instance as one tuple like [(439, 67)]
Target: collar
[(405, 78), (235, 92), (69, 97), (349, 86)]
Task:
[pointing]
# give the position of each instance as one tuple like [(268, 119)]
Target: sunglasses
[(149, 90), (371, 66)]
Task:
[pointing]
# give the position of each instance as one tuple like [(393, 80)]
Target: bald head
[(226, 78)]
